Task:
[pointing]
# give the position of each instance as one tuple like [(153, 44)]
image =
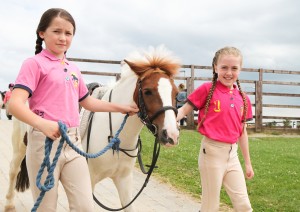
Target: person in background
[(181, 99), (1, 102), (6, 100), (224, 110), (53, 87)]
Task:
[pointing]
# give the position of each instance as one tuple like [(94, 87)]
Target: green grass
[(276, 163)]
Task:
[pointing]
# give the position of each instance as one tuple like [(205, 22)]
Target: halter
[(142, 114)]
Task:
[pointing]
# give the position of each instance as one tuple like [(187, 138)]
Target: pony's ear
[(138, 69), (126, 61), (131, 65)]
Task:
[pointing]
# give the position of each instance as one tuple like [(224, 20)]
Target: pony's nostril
[(166, 139), (171, 141), (165, 134)]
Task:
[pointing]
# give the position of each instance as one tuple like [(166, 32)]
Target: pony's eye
[(148, 92)]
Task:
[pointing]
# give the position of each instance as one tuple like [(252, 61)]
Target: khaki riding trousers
[(71, 170), (219, 165)]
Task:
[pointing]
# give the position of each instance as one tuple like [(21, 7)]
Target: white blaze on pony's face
[(165, 89)]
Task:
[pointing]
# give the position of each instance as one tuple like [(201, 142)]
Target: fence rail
[(258, 93)]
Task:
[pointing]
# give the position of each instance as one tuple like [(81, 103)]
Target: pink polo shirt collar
[(49, 55), (225, 89)]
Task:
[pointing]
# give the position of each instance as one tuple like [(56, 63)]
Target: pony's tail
[(22, 183)]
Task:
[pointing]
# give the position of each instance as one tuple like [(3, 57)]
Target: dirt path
[(156, 197)]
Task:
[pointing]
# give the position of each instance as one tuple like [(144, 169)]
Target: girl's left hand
[(249, 171)]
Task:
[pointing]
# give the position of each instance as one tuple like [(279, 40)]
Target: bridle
[(142, 114)]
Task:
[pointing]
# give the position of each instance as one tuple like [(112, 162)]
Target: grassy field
[(276, 163)]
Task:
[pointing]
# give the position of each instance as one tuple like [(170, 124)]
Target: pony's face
[(158, 94), (155, 95)]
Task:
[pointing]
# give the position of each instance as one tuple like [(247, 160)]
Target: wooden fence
[(195, 75)]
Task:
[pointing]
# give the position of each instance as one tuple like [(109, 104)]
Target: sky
[(267, 32)]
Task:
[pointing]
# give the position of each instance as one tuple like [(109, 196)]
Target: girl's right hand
[(183, 111), (130, 109), (50, 129)]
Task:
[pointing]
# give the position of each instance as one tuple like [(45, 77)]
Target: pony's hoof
[(9, 208)]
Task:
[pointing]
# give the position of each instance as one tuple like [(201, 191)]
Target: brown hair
[(224, 51), (45, 21)]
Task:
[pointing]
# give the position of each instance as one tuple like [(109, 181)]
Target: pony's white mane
[(111, 83), (142, 55)]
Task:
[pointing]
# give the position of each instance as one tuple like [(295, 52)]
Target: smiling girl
[(223, 112)]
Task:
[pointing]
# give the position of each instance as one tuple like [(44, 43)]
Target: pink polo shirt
[(225, 114), (55, 87)]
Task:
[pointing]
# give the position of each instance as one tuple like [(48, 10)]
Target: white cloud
[(266, 32)]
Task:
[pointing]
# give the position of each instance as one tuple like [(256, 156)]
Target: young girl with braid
[(223, 112), (54, 87)]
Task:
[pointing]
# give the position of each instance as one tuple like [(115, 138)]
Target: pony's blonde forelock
[(154, 60)]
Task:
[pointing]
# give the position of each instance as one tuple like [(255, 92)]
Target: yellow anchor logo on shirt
[(217, 106)]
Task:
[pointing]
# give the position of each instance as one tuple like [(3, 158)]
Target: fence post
[(190, 117), (258, 103), (118, 76), (190, 81)]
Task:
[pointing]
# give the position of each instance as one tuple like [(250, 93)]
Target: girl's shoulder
[(203, 89), (205, 86), (31, 61)]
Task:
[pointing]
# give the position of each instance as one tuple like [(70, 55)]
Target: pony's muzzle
[(169, 139)]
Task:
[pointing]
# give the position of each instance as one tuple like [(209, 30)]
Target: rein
[(125, 151), (49, 182), (151, 168)]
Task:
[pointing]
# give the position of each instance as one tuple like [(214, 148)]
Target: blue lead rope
[(49, 182)]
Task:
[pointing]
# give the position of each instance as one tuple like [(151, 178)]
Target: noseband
[(143, 115)]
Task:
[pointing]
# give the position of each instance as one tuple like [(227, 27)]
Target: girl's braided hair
[(224, 51), (45, 21)]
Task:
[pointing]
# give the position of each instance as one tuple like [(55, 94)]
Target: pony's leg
[(19, 151), (124, 185)]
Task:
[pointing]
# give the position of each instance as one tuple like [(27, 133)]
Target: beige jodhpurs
[(71, 170), (219, 164)]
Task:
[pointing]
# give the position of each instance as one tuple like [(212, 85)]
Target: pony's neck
[(124, 89)]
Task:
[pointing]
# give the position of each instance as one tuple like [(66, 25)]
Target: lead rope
[(155, 155), (49, 182)]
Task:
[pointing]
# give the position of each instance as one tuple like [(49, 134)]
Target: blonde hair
[(181, 87), (221, 52)]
